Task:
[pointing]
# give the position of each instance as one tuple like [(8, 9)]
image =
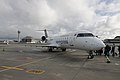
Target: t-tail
[(44, 38)]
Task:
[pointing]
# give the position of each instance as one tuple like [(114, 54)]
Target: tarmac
[(28, 62)]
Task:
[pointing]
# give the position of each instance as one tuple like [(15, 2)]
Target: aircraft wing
[(49, 45)]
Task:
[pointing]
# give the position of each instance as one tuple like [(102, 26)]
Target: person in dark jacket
[(107, 53), (107, 50)]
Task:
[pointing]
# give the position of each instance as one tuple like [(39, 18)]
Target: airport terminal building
[(115, 40), (28, 39)]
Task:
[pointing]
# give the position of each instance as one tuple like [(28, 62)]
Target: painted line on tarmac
[(10, 67), (117, 64), (35, 71), (25, 64)]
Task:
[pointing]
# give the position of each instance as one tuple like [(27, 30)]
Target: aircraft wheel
[(50, 49), (64, 49), (92, 56), (88, 57)]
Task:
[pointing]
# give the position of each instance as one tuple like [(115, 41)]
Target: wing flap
[(48, 45)]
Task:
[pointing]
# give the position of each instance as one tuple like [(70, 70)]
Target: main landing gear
[(50, 49), (90, 56), (63, 49)]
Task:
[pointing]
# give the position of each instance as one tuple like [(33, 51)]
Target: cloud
[(26, 15), (101, 17)]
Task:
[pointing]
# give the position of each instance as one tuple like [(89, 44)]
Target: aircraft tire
[(50, 49), (64, 49), (92, 57)]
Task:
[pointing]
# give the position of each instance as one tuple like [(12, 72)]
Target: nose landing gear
[(90, 56)]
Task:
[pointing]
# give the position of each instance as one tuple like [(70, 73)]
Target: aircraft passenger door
[(71, 41)]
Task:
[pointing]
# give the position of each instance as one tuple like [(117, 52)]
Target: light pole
[(18, 36)]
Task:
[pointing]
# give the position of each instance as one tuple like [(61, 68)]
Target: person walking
[(113, 50), (107, 53), (119, 50), (107, 50)]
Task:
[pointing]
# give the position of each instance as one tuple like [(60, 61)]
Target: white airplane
[(80, 40)]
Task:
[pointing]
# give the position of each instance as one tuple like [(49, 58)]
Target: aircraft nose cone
[(100, 45)]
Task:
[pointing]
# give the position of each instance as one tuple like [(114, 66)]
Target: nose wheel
[(90, 56)]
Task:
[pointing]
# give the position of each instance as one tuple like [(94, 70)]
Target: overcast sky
[(102, 17)]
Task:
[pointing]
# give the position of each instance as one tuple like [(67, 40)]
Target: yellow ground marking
[(25, 64), (35, 71), (15, 68)]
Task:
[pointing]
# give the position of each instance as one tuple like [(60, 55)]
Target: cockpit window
[(85, 35), (75, 35)]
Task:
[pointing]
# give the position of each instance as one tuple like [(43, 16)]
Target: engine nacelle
[(43, 39)]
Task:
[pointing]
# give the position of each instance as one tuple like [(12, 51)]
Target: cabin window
[(67, 38), (85, 35)]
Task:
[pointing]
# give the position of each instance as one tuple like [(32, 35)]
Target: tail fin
[(44, 38), (45, 31)]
